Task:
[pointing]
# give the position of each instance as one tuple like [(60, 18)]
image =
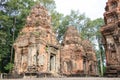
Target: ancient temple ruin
[(111, 37), (36, 48), (38, 51), (90, 60), (77, 55), (72, 53)]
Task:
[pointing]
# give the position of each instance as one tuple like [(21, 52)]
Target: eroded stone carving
[(110, 33)]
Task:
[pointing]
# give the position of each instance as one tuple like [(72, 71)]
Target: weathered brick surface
[(36, 46), (77, 55), (111, 37)]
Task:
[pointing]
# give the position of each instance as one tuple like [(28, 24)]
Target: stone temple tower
[(77, 56), (36, 48), (111, 37)]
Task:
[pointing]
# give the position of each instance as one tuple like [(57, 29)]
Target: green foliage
[(76, 19), (100, 51), (49, 4), (22, 33), (56, 19), (46, 49), (9, 66)]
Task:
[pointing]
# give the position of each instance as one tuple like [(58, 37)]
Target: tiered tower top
[(112, 13)]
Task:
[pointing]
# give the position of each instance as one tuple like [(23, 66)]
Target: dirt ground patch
[(75, 78)]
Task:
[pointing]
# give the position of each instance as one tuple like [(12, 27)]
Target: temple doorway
[(52, 62)]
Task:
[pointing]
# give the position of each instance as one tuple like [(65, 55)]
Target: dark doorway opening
[(52, 62)]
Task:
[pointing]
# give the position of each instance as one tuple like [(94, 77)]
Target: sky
[(92, 8)]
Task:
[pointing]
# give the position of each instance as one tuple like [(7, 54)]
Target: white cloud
[(92, 8)]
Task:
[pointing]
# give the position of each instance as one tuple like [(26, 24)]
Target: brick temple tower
[(77, 56), (36, 48), (111, 37)]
